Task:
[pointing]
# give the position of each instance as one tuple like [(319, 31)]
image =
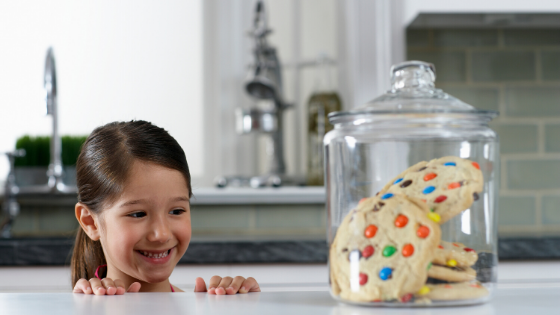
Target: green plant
[(38, 150)]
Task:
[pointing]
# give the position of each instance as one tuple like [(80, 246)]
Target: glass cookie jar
[(429, 237)]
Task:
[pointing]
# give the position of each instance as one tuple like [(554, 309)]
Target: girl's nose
[(159, 231)]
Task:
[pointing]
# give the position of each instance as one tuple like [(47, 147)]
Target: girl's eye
[(176, 211), (137, 214)]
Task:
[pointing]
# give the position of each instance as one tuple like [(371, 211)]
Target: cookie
[(455, 255), (452, 274), (448, 185), (452, 291), (382, 249)]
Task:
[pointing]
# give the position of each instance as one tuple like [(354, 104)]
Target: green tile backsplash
[(465, 37), (450, 65), (517, 72), (552, 137), (495, 66), (517, 210), (517, 138), (550, 213), (484, 98), (531, 37), (550, 65), (532, 101)]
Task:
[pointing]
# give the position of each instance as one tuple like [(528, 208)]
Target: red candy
[(440, 246), (423, 231), (429, 176), (371, 230), (408, 250), (476, 165), (454, 185), (368, 251), (468, 249), (406, 297), (401, 221), (440, 199), (363, 278), (447, 286)]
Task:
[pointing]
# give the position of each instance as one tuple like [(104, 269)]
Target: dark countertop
[(57, 251)]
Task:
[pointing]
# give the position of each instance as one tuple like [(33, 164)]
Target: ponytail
[(86, 257)]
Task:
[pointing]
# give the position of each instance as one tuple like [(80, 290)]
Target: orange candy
[(408, 250), (430, 176), (476, 165), (423, 231), (362, 200), (401, 221), (440, 246), (454, 185), (371, 230)]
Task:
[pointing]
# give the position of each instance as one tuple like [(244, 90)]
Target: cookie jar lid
[(413, 94)]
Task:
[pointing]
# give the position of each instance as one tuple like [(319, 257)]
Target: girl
[(133, 207)]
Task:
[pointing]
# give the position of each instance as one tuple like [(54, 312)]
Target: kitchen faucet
[(54, 173)]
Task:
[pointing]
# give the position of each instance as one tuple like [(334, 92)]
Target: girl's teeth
[(161, 255)]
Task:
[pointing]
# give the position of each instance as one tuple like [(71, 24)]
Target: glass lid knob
[(413, 74)]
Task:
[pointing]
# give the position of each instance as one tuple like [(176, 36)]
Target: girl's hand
[(227, 285), (105, 286)]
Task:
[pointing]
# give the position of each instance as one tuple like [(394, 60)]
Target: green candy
[(389, 250), (429, 266)]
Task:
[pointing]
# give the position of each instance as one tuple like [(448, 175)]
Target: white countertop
[(542, 301), (265, 195)]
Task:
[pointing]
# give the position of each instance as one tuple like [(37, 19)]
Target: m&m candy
[(423, 231), (370, 231), (385, 273), (401, 221)]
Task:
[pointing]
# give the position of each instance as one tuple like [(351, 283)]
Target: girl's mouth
[(155, 256)]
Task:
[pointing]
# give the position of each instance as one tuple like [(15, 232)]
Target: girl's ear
[(87, 221)]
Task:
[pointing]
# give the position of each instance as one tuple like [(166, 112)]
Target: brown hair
[(101, 172)]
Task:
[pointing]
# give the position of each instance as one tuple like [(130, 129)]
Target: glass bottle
[(323, 100)]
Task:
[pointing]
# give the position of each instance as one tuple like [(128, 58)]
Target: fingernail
[(242, 290), (211, 288)]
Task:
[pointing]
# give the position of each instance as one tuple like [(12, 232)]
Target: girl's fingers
[(199, 285), (226, 282), (120, 287), (82, 286), (109, 285), (235, 285), (134, 287), (250, 285), (97, 287), (213, 284)]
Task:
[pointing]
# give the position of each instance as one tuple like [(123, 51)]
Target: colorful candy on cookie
[(448, 254), (381, 250), (448, 185)]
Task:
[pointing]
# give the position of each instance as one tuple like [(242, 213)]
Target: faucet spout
[(55, 166)]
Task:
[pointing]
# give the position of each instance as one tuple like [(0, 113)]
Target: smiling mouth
[(157, 255)]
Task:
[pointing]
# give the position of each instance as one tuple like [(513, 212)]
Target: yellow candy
[(434, 217), (424, 290), (452, 263)]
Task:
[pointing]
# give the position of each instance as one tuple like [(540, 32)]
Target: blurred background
[(185, 66)]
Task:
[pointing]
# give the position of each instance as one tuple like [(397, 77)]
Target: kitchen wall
[(517, 72), (116, 60)]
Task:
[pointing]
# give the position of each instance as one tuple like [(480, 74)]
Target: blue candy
[(387, 196), (385, 273), (397, 181), (428, 190), (450, 164)]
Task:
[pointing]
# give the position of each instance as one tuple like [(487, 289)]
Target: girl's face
[(147, 229)]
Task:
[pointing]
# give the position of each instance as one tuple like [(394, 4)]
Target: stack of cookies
[(389, 248)]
